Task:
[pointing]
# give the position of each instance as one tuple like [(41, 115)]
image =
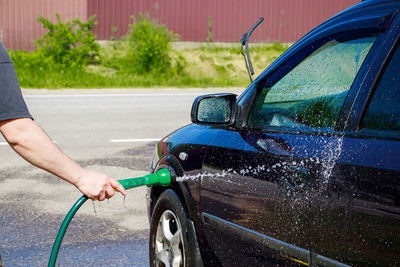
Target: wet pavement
[(109, 233)]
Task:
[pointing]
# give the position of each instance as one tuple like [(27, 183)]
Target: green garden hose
[(161, 177)]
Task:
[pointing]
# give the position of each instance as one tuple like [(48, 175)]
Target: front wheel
[(169, 244)]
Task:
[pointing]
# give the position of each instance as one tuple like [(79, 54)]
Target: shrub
[(71, 44), (149, 45)]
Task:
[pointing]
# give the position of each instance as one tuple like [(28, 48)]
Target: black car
[(303, 168)]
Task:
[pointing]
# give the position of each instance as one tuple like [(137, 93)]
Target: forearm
[(35, 146)]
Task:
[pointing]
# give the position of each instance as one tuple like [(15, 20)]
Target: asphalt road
[(112, 131)]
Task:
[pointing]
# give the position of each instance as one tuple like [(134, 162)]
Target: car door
[(259, 182), (357, 221)]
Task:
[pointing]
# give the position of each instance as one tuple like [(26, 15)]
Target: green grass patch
[(206, 66)]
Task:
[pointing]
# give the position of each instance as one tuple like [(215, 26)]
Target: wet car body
[(274, 183)]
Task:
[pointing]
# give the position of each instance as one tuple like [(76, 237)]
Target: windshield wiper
[(245, 42)]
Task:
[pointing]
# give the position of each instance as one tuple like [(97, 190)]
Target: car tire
[(169, 233)]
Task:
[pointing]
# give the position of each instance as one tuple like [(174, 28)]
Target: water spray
[(162, 177)]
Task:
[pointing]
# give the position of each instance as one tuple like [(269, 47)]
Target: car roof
[(364, 4)]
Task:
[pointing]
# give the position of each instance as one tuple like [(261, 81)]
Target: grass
[(206, 66)]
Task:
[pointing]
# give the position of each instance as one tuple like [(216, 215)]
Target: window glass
[(312, 93), (383, 112)]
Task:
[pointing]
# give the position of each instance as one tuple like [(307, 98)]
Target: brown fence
[(18, 25), (285, 20)]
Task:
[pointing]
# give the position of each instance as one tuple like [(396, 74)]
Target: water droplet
[(94, 208)]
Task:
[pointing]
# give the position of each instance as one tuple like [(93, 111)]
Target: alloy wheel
[(169, 247)]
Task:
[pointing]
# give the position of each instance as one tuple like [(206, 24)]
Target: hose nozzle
[(163, 176)]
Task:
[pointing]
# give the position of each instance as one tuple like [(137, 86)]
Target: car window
[(383, 112), (313, 92)]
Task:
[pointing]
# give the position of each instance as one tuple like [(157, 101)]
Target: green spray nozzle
[(162, 177)]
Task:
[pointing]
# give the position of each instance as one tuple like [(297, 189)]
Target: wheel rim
[(169, 247)]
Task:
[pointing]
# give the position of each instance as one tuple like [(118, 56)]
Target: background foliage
[(149, 45), (68, 57), (70, 44)]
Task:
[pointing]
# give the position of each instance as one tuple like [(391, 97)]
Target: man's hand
[(98, 186)]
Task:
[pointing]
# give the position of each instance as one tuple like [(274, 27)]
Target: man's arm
[(35, 146)]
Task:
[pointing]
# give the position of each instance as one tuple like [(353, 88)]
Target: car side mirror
[(214, 109)]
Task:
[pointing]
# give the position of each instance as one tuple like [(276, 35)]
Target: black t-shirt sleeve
[(12, 104)]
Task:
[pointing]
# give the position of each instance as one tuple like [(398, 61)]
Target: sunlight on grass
[(205, 66)]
